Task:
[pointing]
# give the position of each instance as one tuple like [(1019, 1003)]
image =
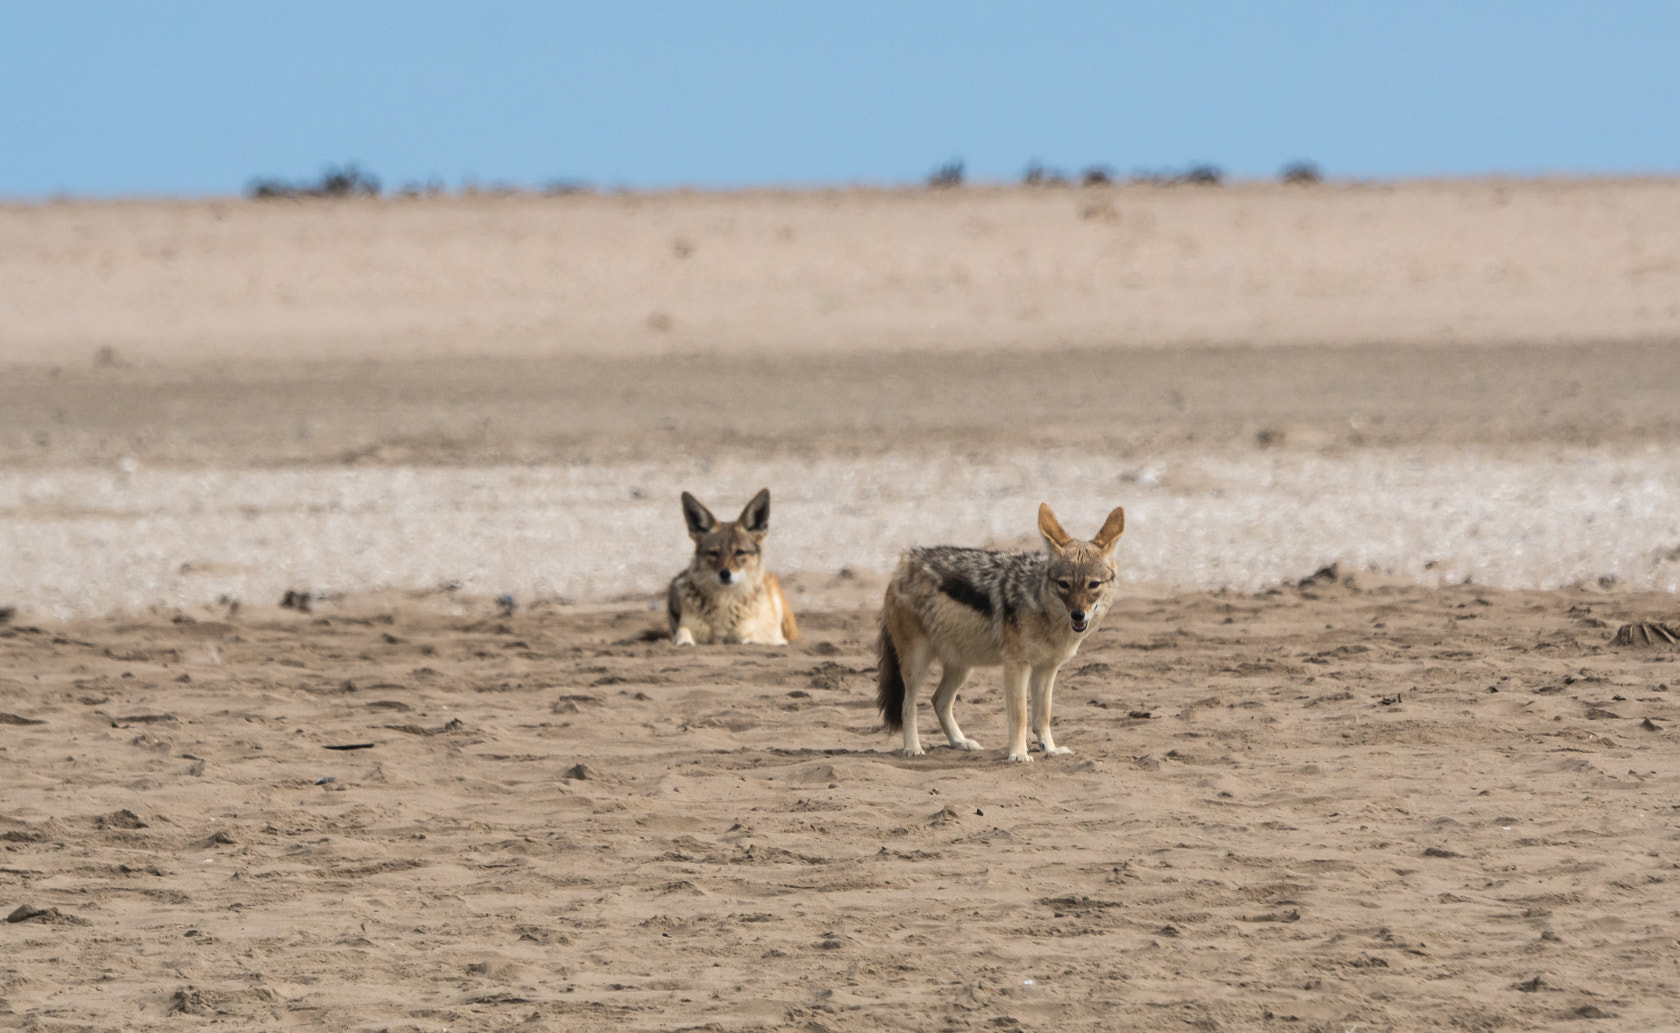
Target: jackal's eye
[(713, 554), (1095, 584), (742, 552), (1063, 583)]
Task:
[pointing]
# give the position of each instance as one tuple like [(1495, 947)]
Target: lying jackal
[(726, 595), (967, 608)]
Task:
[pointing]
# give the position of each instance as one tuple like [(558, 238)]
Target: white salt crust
[(96, 541)]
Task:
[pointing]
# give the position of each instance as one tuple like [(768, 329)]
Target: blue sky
[(189, 98)]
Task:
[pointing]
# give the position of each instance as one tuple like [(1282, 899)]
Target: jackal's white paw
[(913, 752), (684, 637), (1054, 751), (967, 744), (1020, 758)]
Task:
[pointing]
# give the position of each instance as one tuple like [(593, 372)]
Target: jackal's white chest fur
[(746, 613)]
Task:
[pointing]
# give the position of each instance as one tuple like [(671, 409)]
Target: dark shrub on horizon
[(1204, 175), (1097, 176), (1301, 172), (1037, 175), (1195, 175), (347, 180), (951, 174)]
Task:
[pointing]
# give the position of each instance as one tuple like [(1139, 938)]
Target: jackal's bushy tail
[(889, 682)]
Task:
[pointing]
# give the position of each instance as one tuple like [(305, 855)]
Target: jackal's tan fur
[(967, 608), (726, 595)]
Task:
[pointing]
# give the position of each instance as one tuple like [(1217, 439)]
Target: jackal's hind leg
[(944, 698), (915, 669)]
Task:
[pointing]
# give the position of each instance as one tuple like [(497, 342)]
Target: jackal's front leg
[(1043, 684), (1015, 702)]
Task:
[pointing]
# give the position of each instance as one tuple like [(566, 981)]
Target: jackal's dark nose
[(1079, 618), (723, 576)]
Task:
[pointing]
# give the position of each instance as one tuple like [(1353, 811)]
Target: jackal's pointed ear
[(699, 518), (1054, 536), (755, 519), (1112, 529)]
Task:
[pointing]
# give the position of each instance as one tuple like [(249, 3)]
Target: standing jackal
[(967, 608), (726, 595)]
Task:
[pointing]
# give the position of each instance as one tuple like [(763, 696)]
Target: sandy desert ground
[(1421, 789)]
